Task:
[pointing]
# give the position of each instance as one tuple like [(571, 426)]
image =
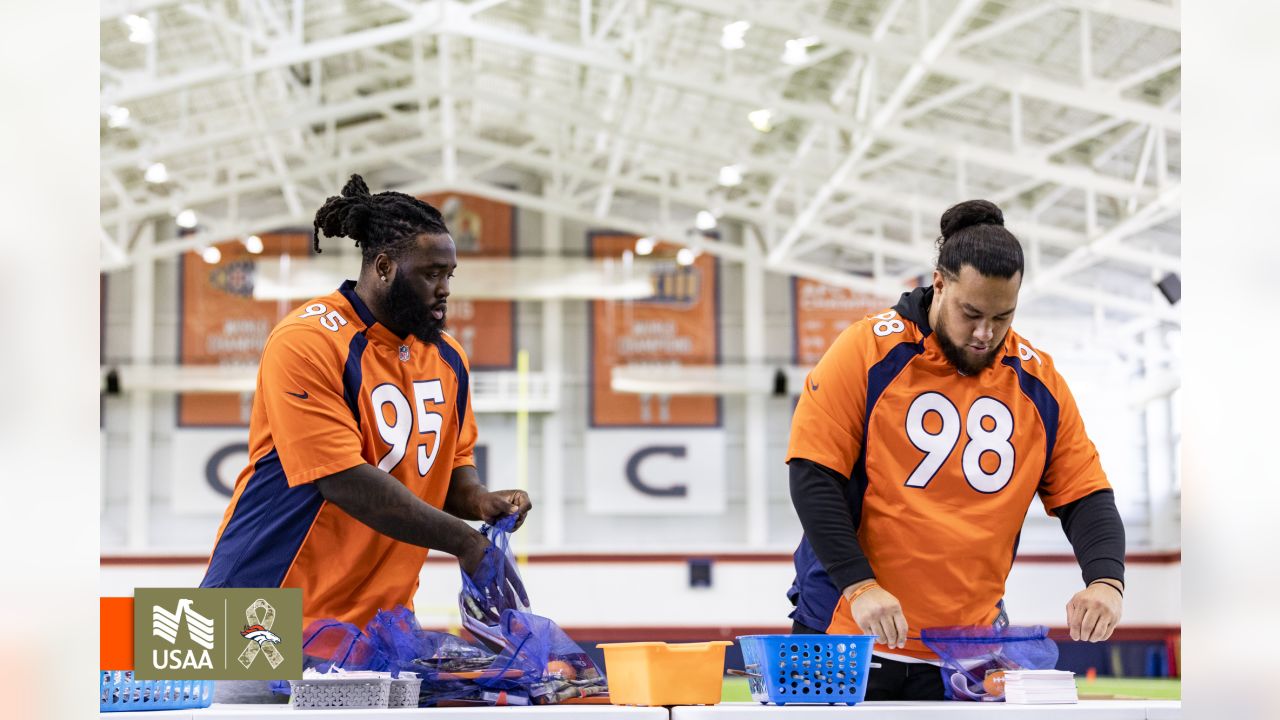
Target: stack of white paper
[(1039, 687)]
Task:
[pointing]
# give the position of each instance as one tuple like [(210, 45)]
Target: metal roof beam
[(1163, 208), (694, 199), (1106, 300), (1005, 24), (214, 192), (839, 97), (952, 64), (1027, 163), (1142, 75), (177, 145), (918, 70), (428, 18), (1104, 156), (463, 25), (1154, 14), (113, 9)]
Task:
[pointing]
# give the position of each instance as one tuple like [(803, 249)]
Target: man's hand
[(469, 500), (470, 558), (497, 504), (495, 583), (1092, 613), (879, 613)]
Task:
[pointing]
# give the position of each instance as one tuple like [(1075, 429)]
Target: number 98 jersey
[(946, 466), (336, 389)]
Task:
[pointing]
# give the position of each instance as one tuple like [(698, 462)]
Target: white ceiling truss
[(1066, 112)]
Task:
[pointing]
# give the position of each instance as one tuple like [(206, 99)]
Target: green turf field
[(735, 688)]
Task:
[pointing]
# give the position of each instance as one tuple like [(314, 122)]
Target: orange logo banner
[(221, 323), (679, 324), (822, 312)]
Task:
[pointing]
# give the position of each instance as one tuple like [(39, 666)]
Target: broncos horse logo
[(260, 635)]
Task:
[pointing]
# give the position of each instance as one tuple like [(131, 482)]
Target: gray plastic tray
[(404, 692), (342, 693)]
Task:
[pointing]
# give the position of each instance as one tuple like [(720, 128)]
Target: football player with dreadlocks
[(362, 434)]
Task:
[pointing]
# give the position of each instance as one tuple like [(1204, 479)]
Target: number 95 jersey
[(946, 466), (336, 389)]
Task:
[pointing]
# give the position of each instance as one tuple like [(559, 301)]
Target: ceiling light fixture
[(645, 245), (156, 173), (733, 36), (117, 116), (253, 244), (684, 256), (705, 220), (211, 254), (761, 119), (140, 30), (797, 50), (731, 175), (187, 219)]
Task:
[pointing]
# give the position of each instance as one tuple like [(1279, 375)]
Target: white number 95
[(330, 319)]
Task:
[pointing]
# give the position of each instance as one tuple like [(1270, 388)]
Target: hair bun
[(355, 187), (969, 213)]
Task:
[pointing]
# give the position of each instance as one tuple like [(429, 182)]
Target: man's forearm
[(819, 499), (1096, 532), (383, 503), (465, 490)]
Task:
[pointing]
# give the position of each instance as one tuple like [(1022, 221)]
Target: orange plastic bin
[(658, 673)]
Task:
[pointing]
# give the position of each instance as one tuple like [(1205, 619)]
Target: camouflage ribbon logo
[(258, 632)]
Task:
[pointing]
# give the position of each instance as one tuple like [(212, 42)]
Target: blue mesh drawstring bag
[(394, 642), (494, 587), (404, 644), (970, 652), (331, 644), (539, 661)]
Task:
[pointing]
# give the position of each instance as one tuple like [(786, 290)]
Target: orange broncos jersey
[(335, 390), (947, 466)]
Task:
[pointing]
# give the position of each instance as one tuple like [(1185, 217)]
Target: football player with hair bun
[(920, 439)]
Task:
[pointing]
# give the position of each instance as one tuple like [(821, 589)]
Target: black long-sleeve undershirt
[(1095, 530), (830, 508)]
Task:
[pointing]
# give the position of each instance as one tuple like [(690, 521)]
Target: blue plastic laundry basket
[(121, 692), (828, 669)]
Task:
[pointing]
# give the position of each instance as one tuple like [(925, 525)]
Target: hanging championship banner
[(678, 325), (480, 228), (221, 323), (821, 313)]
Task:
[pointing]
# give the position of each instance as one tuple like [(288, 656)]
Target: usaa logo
[(234, 278), (168, 626)]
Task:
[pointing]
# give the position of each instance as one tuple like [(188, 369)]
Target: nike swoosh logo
[(302, 395), (813, 386)]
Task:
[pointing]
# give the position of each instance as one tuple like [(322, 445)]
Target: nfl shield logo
[(404, 353)]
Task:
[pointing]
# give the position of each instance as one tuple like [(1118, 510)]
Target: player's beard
[(961, 358), (410, 314)]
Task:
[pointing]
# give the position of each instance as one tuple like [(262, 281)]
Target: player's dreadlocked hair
[(973, 233), (386, 222)]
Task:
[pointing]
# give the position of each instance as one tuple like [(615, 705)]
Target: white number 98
[(938, 446)]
